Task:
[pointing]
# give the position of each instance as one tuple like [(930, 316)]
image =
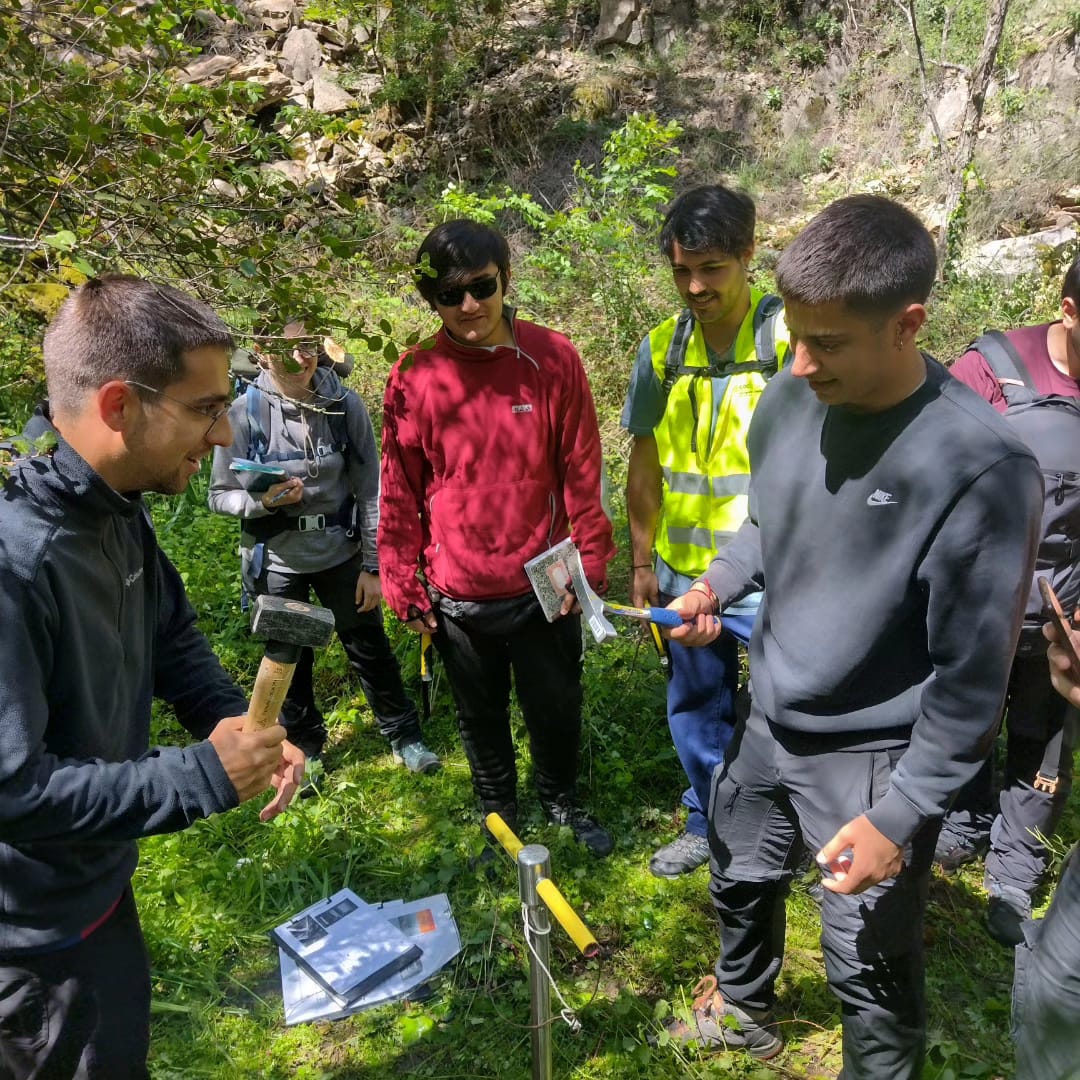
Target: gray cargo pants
[(1013, 821), (1046, 987), (771, 786)]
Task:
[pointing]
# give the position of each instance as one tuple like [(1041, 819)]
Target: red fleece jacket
[(490, 456)]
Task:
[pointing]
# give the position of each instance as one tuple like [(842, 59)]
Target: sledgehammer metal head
[(291, 622), (287, 626)]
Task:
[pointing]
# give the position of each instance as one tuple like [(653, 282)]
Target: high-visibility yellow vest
[(705, 464)]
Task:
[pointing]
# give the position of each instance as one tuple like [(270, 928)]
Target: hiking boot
[(1009, 908), (950, 855), (416, 757), (586, 831), (719, 1025), (683, 854)]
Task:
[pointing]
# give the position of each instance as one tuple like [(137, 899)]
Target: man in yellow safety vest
[(692, 393)]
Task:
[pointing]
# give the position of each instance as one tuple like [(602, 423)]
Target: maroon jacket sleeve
[(972, 370), (401, 502), (580, 464)]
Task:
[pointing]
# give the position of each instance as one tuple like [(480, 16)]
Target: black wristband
[(642, 566)]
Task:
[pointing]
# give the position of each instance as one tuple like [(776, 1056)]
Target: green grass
[(209, 895)]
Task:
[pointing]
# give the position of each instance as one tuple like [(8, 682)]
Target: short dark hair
[(868, 252), (456, 249), (121, 327), (1070, 285), (711, 216)]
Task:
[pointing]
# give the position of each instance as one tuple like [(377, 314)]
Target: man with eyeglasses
[(94, 624), (491, 454)]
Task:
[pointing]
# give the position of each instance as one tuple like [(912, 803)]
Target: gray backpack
[(1050, 425)]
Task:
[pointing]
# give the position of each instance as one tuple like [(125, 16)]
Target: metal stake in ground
[(287, 626), (540, 895), (534, 863)]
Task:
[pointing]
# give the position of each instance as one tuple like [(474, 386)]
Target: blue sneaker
[(416, 757)]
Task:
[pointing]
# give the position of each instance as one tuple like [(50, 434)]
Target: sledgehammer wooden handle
[(271, 686)]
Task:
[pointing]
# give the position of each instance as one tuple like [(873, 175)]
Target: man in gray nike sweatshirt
[(894, 519)]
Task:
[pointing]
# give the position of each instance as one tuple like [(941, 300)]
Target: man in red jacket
[(491, 450)]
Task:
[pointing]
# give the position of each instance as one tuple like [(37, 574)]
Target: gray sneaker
[(718, 1025), (416, 757), (683, 854)]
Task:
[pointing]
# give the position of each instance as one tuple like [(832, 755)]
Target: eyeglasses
[(479, 289), (208, 412)]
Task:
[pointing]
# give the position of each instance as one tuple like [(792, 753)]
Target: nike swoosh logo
[(881, 498)]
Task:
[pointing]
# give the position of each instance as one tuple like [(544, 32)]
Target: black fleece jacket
[(94, 623), (896, 551)]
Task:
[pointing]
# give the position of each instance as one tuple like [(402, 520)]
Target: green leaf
[(414, 1028), (248, 268), (64, 240)]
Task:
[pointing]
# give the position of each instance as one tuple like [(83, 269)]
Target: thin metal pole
[(534, 863)]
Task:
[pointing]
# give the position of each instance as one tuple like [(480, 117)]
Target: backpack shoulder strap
[(1005, 362), (673, 362), (339, 427), (765, 317), (258, 414)]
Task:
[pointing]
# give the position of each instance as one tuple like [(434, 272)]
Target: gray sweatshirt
[(305, 436), (897, 549)]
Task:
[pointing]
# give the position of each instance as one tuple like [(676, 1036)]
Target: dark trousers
[(364, 639), (545, 659), (1034, 715), (81, 1012), (1046, 987), (764, 794), (702, 683)]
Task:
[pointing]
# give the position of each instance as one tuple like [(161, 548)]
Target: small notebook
[(558, 571), (257, 476)]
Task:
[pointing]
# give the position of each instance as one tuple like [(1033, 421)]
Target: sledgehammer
[(287, 626)]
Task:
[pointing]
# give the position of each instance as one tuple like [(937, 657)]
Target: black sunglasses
[(479, 289)]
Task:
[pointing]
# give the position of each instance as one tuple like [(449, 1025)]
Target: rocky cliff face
[(531, 80)]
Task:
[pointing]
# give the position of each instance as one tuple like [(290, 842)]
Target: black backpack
[(1050, 425)]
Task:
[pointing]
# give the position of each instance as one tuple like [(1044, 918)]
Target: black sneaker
[(683, 854), (1009, 908), (586, 831), (950, 855), (717, 1025)]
